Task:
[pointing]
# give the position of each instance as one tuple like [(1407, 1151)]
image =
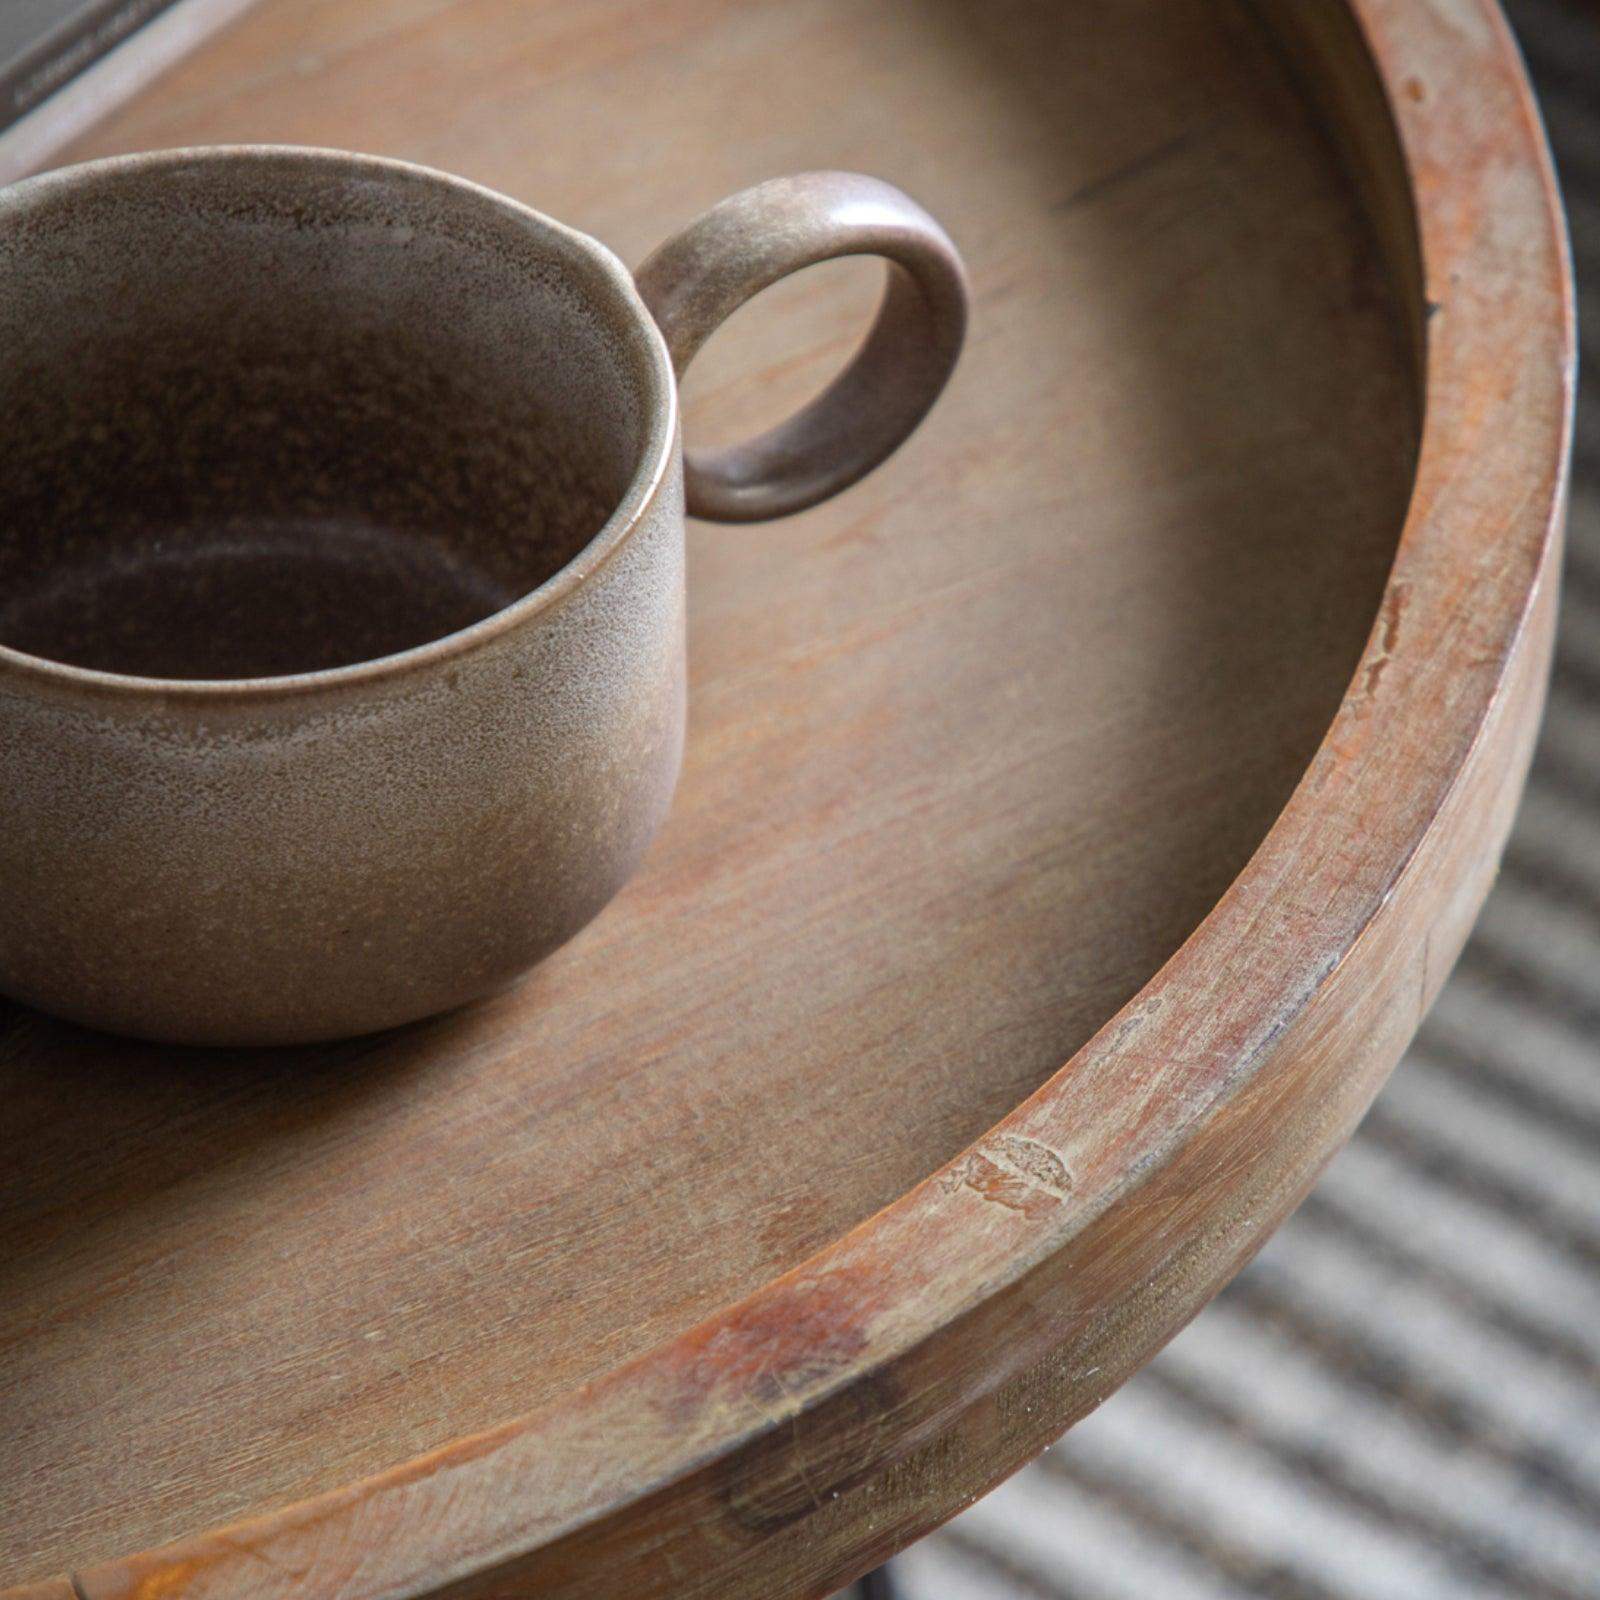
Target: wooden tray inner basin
[(973, 748)]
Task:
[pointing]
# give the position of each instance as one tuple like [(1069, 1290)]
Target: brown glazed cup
[(341, 566)]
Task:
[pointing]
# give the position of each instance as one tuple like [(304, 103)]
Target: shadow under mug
[(341, 566)]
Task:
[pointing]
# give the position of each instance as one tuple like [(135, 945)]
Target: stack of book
[(66, 63)]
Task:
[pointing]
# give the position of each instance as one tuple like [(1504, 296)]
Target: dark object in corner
[(47, 43), (64, 64)]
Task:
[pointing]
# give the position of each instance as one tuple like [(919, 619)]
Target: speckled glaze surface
[(342, 573)]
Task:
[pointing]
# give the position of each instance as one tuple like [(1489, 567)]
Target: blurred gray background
[(1399, 1399)]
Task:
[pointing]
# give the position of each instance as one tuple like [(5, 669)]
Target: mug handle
[(699, 278)]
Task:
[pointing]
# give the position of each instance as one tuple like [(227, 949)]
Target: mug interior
[(276, 411)]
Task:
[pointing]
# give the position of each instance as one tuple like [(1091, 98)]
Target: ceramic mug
[(341, 566)]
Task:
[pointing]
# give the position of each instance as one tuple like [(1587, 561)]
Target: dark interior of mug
[(270, 413)]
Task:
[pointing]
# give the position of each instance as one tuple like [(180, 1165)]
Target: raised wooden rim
[(1010, 1292)]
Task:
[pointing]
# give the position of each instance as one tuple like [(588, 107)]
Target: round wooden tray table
[(1079, 816)]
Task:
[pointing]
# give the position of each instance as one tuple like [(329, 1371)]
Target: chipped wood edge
[(806, 1432)]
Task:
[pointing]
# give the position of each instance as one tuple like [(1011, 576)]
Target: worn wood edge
[(1010, 1292)]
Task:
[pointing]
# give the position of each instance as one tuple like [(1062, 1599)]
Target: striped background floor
[(1400, 1399)]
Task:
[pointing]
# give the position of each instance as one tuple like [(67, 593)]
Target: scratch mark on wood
[(1394, 605), (1096, 188), (1018, 1173)]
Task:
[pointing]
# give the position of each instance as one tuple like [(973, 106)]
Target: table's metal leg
[(877, 1585)]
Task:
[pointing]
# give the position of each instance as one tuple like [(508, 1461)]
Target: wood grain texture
[(767, 1210)]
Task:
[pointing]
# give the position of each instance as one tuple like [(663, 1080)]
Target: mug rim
[(648, 475)]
